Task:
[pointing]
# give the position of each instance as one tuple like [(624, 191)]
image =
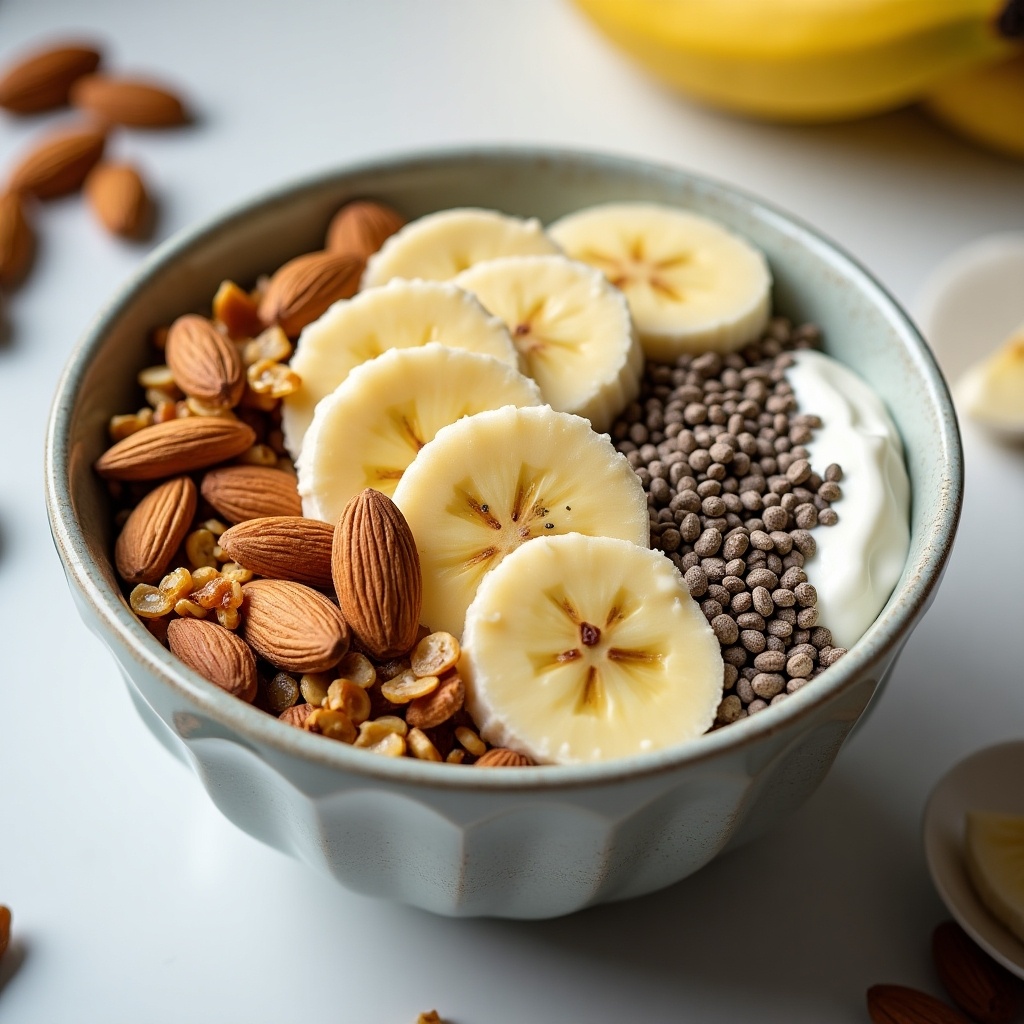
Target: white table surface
[(133, 899)]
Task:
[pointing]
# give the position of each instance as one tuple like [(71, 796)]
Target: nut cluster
[(314, 623), (719, 447)]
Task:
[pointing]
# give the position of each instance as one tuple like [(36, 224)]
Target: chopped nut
[(149, 602), (391, 745), (236, 572), (199, 547), (274, 379), (314, 687), (159, 377), (177, 584), (121, 427), (407, 686), (358, 668), (259, 455), (421, 747), (229, 618), (435, 654), (470, 741), (271, 345), (372, 735), (335, 725), (186, 607), (456, 756), (344, 695)]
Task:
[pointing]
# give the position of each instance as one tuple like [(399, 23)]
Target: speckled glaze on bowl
[(531, 842)]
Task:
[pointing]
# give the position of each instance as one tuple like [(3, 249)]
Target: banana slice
[(692, 286), (588, 648), (402, 315), (493, 481), (373, 425), (994, 845), (992, 392), (571, 327), (441, 245)]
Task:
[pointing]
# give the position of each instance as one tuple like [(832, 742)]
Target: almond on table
[(119, 199), (17, 240), (58, 163), (137, 102), (42, 80)]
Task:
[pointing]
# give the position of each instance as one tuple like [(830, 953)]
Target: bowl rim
[(250, 726)]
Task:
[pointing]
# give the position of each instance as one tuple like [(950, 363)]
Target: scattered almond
[(304, 287), (5, 928), (216, 654), (283, 548), (237, 311), (155, 530), (438, 706), (376, 570), (42, 80), (174, 447), (128, 101), (897, 1004), (59, 163), (118, 197), (292, 626), (240, 493), (502, 757), (982, 988), (360, 228), (17, 240), (205, 364)]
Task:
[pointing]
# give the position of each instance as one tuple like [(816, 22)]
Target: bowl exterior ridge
[(527, 842)]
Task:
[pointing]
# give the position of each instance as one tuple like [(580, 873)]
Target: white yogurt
[(859, 560)]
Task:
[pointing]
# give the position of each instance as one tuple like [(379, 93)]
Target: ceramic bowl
[(530, 842)]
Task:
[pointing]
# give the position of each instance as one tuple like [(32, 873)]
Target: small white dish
[(987, 780)]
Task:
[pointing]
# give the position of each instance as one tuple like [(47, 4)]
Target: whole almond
[(155, 530), (283, 548), (297, 714), (42, 80), (439, 705), (17, 240), (59, 163), (240, 493), (128, 101), (294, 627), (175, 447), (376, 570), (897, 1004), (216, 654), (205, 364), (982, 988), (304, 287), (5, 928), (118, 197), (502, 757), (361, 227)]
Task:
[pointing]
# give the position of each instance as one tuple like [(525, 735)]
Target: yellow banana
[(809, 60), (985, 104)]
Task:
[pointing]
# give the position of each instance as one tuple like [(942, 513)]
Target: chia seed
[(719, 445)]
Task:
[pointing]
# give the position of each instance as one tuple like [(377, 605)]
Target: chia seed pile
[(718, 444)]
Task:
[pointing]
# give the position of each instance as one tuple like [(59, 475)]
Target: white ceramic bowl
[(530, 842)]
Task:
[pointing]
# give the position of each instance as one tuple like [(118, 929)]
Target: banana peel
[(810, 60)]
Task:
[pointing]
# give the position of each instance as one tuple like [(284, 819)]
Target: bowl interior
[(863, 327)]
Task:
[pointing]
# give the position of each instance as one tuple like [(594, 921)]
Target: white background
[(133, 899)]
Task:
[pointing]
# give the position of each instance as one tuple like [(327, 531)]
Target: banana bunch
[(827, 60)]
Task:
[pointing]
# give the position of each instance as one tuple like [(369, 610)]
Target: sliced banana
[(372, 426), (994, 847), (992, 392), (588, 648), (692, 285), (490, 482), (443, 244), (572, 328), (402, 315)]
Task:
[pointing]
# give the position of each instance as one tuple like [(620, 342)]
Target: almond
[(982, 988), (897, 1004), (5, 928), (237, 311), (292, 626), (283, 548), (118, 197), (175, 447), (439, 705), (17, 240), (376, 570), (155, 530), (240, 493), (361, 227), (59, 163), (205, 364), (42, 80), (216, 654), (130, 101), (297, 715), (502, 757), (304, 287)]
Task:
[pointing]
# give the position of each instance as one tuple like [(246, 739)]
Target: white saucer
[(993, 780)]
